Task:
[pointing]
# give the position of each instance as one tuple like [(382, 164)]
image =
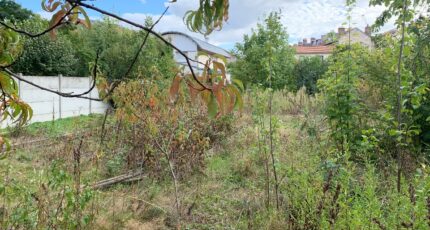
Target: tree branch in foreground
[(59, 23), (143, 44)]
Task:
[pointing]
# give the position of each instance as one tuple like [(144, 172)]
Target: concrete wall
[(357, 36), (301, 56), (49, 106)]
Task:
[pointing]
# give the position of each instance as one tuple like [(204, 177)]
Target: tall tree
[(44, 56), (403, 11), (307, 71), (251, 67), (11, 10), (117, 49)]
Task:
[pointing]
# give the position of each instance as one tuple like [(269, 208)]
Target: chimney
[(305, 41), (313, 41), (368, 30), (341, 30)]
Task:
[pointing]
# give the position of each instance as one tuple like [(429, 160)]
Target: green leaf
[(212, 106), (394, 132), (239, 84), (43, 5), (87, 19)]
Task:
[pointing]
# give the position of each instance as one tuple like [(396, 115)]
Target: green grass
[(58, 127), (230, 192)]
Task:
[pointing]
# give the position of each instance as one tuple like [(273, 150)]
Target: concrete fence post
[(19, 85), (59, 97), (53, 109), (89, 95)]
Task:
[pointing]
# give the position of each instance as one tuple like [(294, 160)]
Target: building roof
[(202, 45), (314, 49), (391, 32)]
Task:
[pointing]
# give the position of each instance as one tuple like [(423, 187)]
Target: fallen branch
[(124, 178)]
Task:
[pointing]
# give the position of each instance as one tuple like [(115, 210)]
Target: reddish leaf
[(232, 100), (152, 102), (87, 21), (56, 18), (174, 89), (193, 91), (218, 92)]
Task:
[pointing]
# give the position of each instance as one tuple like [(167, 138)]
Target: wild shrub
[(151, 123), (342, 101), (251, 66), (379, 98)]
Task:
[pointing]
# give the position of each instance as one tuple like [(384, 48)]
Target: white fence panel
[(49, 106)]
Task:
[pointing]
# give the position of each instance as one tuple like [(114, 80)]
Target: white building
[(192, 47)]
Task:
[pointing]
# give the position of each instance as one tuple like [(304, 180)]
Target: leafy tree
[(419, 63), (251, 66), (331, 37), (45, 56), (307, 71), (117, 47), (74, 49), (342, 99), (409, 94), (11, 10)]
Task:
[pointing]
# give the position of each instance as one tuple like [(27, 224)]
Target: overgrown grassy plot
[(229, 192), (339, 159), (39, 175), (78, 156)]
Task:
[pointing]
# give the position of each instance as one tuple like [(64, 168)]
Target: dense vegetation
[(288, 73), (10, 10), (251, 63), (341, 143), (75, 48)]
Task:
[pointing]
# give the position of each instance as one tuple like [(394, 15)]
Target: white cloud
[(143, 1), (303, 18)]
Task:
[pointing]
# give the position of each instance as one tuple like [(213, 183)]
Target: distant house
[(324, 46), (357, 36), (392, 33), (192, 46)]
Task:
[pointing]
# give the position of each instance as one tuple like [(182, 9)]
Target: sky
[(302, 18)]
